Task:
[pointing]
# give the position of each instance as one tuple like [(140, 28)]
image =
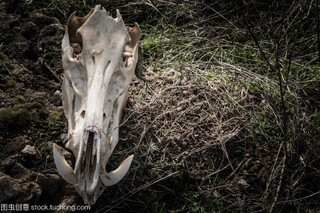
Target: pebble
[(29, 150)]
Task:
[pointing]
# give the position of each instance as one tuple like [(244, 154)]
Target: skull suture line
[(94, 93)]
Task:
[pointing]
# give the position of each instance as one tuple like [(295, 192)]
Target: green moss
[(3, 56), (14, 119), (11, 83), (44, 148), (28, 106), (6, 116), (56, 120), (19, 116), (48, 55), (19, 99)]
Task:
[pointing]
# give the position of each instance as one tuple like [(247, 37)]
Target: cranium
[(94, 93)]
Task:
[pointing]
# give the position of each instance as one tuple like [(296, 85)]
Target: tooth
[(109, 179), (96, 143), (64, 169), (118, 16), (127, 54)]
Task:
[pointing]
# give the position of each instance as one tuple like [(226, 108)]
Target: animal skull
[(94, 93)]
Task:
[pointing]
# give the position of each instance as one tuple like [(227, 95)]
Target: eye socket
[(83, 113), (77, 48)]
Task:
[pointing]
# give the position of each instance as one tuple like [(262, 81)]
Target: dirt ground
[(31, 108)]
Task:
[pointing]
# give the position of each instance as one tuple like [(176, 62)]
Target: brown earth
[(31, 112)]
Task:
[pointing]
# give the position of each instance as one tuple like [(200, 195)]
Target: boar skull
[(94, 93)]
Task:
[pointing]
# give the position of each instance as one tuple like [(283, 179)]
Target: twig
[(3, 77), (318, 27), (303, 198), (265, 195), (283, 110), (46, 66), (259, 47), (232, 24), (7, 68), (284, 159)]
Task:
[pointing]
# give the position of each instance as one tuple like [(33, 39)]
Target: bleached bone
[(63, 167), (109, 179), (94, 93)]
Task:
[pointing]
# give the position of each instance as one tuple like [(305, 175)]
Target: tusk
[(64, 169), (118, 16), (109, 179)]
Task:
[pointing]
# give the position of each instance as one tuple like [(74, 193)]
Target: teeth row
[(94, 150)]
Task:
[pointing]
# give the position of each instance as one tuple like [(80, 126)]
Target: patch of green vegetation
[(262, 128), (48, 55), (14, 119), (28, 106), (3, 56), (56, 120), (11, 83), (44, 148), (19, 99), (18, 116), (239, 55), (164, 49)]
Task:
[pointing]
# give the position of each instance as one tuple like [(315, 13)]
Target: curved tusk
[(109, 179), (64, 169), (119, 17)]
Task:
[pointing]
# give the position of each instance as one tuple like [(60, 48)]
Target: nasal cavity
[(104, 116), (93, 59), (83, 113)]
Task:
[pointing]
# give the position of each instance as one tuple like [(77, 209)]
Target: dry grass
[(213, 112)]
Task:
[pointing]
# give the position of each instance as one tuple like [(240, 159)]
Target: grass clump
[(45, 148), (56, 120), (18, 116), (19, 99), (13, 119), (28, 106)]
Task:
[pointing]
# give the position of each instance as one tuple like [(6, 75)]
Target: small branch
[(265, 195), (284, 159), (318, 27), (303, 198), (259, 47), (282, 109), (46, 66), (7, 69)]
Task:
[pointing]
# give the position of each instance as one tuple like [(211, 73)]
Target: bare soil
[(31, 108)]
